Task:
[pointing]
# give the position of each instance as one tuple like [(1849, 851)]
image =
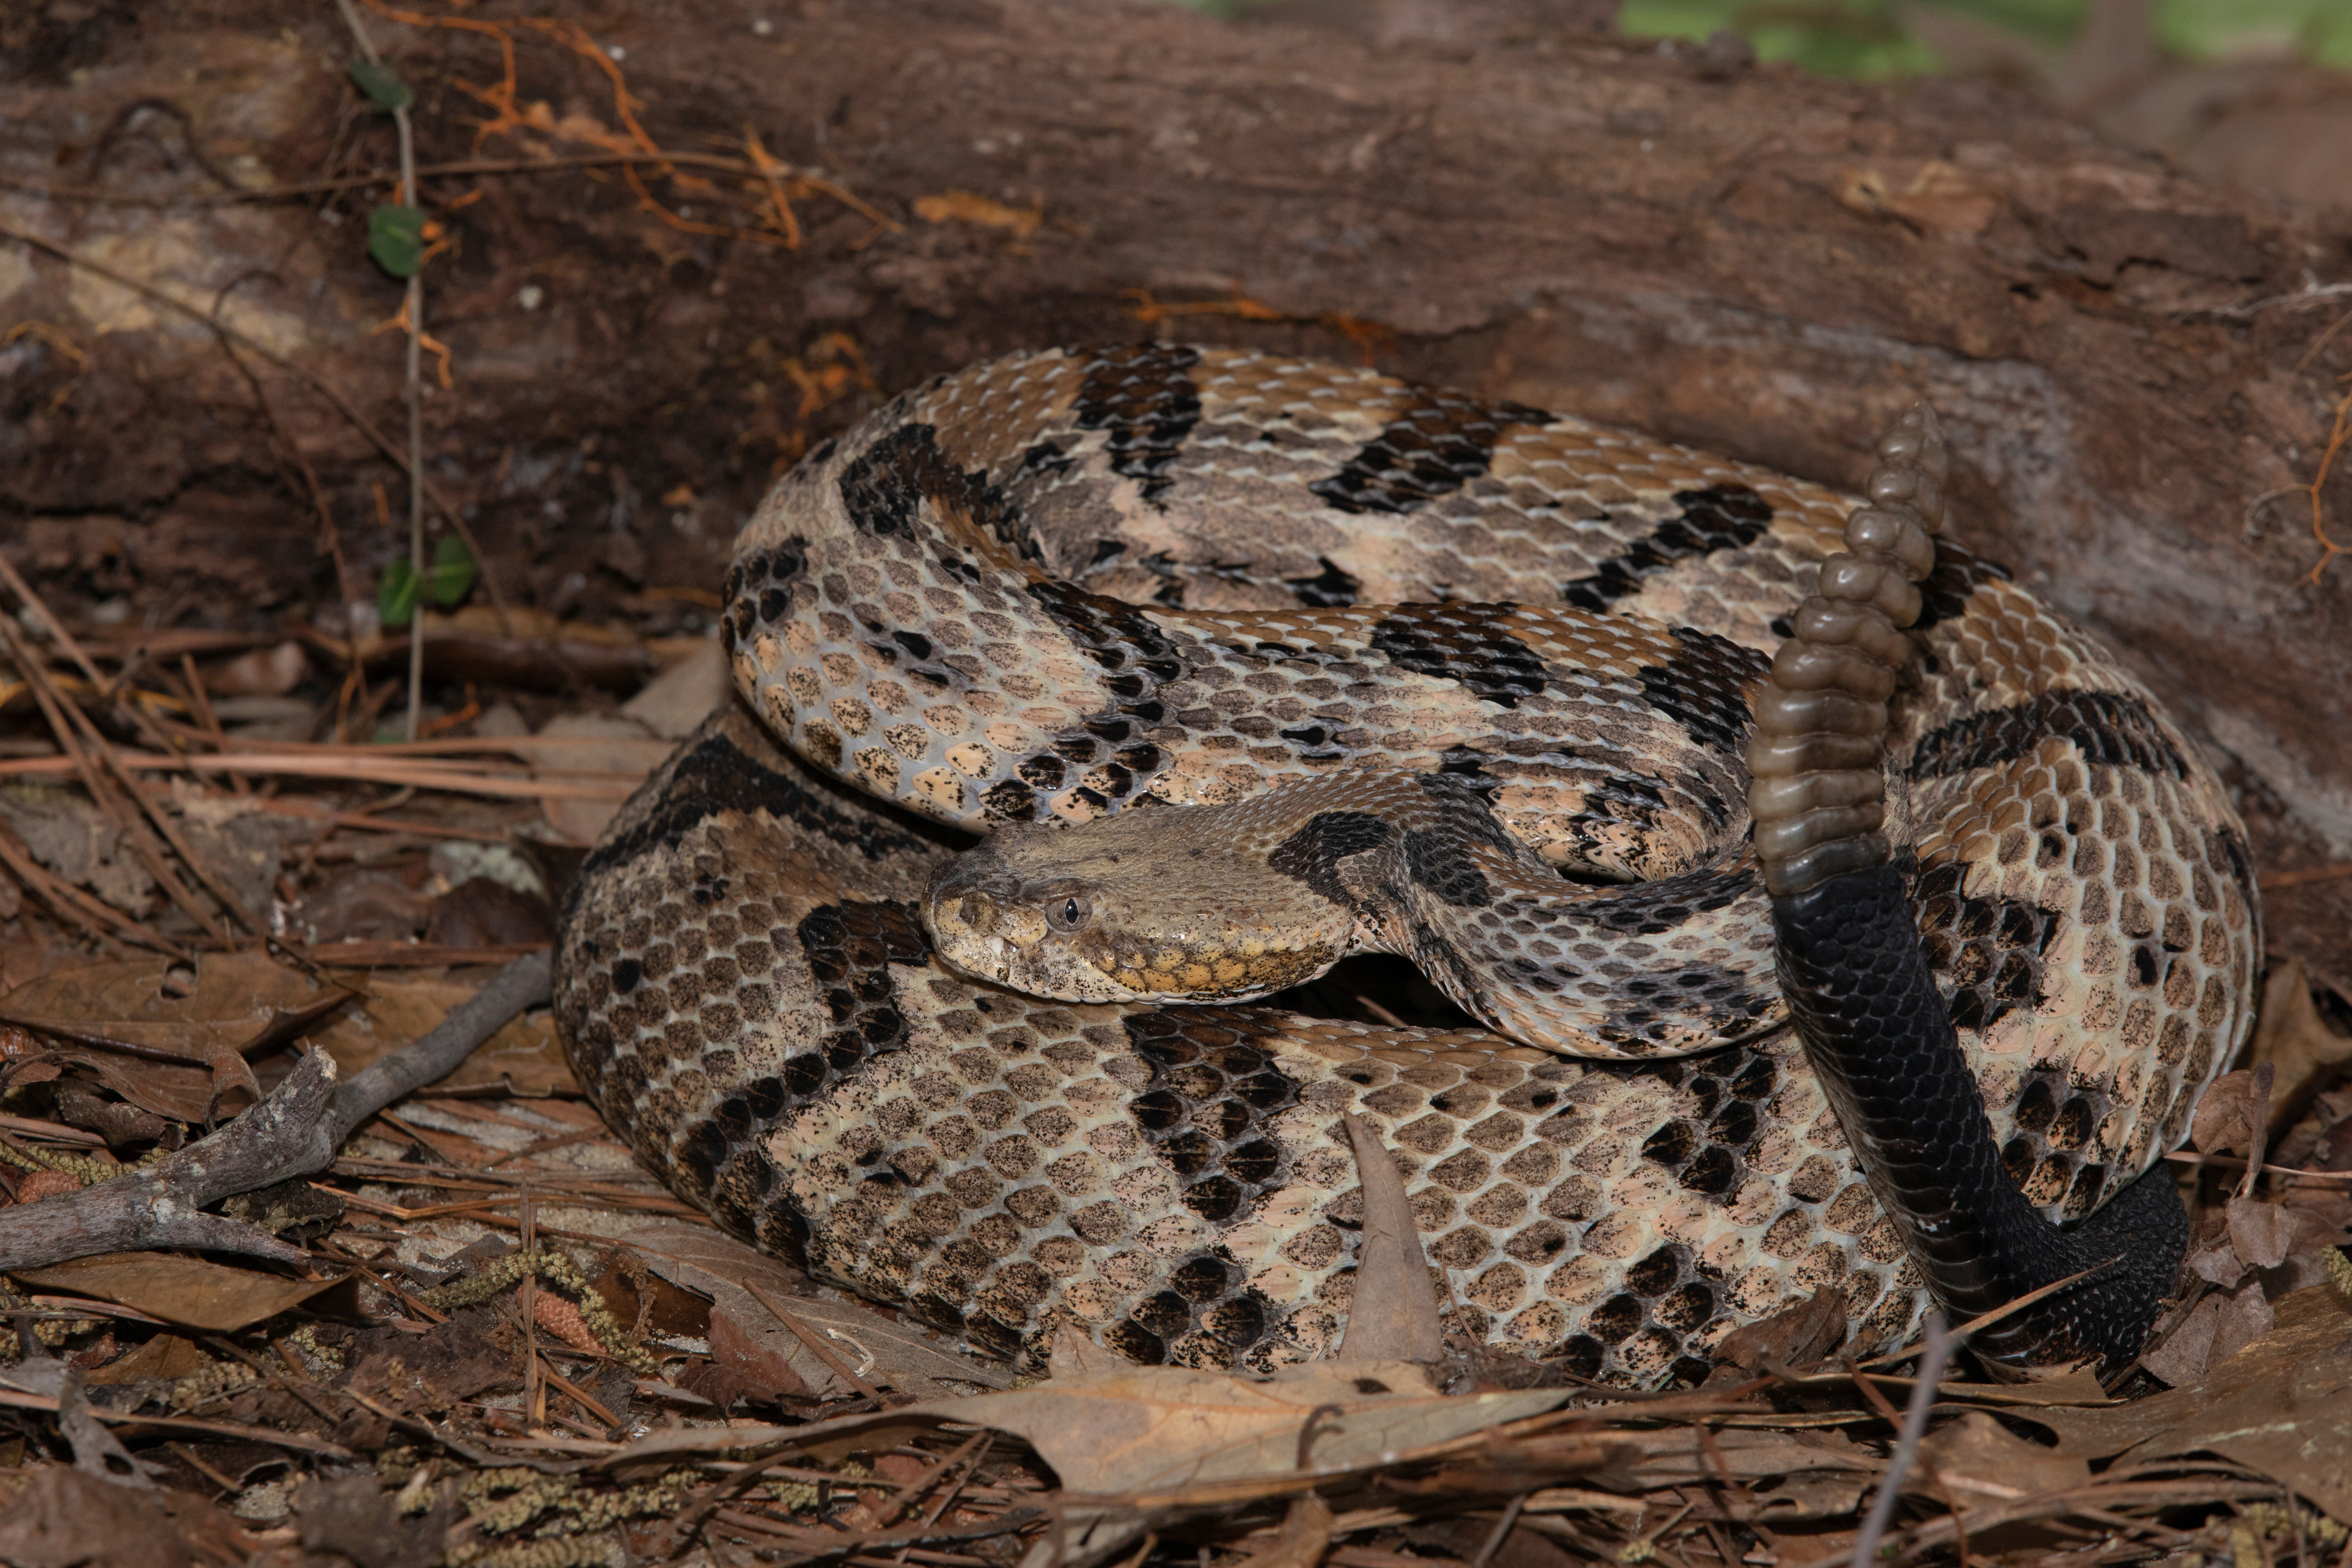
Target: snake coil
[(1245, 662)]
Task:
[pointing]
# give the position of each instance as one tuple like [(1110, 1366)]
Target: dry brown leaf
[(353, 1518), (674, 703), (188, 1291), (1976, 1456), (756, 1355), (760, 1357), (2216, 1262), (2282, 1405), (877, 1350), (1793, 1337), (2180, 1359), (2246, 1316), (166, 1089), (431, 1370), (1075, 1354), (2262, 1234), (1155, 1428), (524, 1058), (167, 1358), (2322, 1216), (2290, 1039), (1393, 1316), (65, 1519), (1150, 1429), (635, 1295), (233, 1002), (2230, 1116)]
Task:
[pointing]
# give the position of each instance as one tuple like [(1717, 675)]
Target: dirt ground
[(666, 249)]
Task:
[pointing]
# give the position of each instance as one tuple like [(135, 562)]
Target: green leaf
[(396, 239), (453, 572), (382, 84), (396, 597)]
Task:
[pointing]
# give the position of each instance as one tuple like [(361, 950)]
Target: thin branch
[(297, 1129), (1907, 1448), (412, 313)]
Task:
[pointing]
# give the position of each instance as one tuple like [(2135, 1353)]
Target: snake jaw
[(1085, 913)]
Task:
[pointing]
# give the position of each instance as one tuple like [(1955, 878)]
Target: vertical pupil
[(1070, 911)]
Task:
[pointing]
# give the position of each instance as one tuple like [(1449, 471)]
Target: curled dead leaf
[(170, 1040), (1146, 1429), (2291, 1039), (1394, 1313), (232, 1001), (2233, 1113)]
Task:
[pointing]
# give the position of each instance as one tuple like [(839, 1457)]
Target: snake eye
[(1066, 913)]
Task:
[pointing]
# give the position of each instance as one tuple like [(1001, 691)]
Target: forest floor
[(231, 829)]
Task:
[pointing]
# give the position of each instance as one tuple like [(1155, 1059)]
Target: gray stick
[(1937, 1352), (297, 1129)]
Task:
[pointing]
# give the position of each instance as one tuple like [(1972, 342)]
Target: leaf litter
[(508, 1346)]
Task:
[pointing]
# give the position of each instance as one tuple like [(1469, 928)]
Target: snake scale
[(1445, 677)]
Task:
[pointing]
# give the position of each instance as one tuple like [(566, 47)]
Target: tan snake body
[(1058, 585)]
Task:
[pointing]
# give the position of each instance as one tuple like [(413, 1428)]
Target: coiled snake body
[(1507, 664)]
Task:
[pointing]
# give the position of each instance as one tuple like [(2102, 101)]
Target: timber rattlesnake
[(1059, 587)]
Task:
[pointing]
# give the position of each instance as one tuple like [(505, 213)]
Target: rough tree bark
[(2130, 364)]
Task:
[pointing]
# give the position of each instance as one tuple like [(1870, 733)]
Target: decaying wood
[(295, 1131), (1748, 258)]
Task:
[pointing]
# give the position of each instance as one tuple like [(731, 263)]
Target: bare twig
[(2231, 1162), (1907, 1447), (297, 1129), (534, 1391), (412, 313)]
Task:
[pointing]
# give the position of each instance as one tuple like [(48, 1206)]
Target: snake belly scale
[(1066, 586)]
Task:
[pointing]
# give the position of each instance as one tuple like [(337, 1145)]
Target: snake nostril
[(978, 912)]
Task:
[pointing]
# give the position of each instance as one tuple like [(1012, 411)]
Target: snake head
[(1142, 907)]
